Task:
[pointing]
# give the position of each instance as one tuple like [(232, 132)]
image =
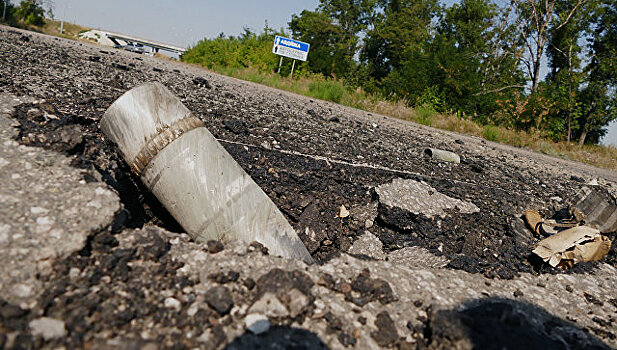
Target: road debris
[(48, 328), (192, 175), (369, 245), (572, 246), (420, 198), (534, 220), (257, 323), (598, 209), (547, 227), (442, 155), (343, 212)]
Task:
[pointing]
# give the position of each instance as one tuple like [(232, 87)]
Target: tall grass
[(330, 90), (491, 133)]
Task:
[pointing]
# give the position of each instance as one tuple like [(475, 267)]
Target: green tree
[(352, 17), (474, 56), (31, 12), (247, 50), (327, 56), (598, 98), (9, 12), (535, 19), (400, 30), (566, 77)]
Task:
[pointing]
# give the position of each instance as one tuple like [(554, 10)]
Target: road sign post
[(294, 49), (280, 63)]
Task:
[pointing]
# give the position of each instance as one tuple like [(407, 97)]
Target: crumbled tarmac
[(307, 189), (140, 283)]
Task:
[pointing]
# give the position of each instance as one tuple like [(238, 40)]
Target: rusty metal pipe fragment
[(442, 155), (192, 175)]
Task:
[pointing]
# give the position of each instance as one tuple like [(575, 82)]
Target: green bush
[(246, 50), (425, 114), (491, 133), (31, 13), (329, 90)]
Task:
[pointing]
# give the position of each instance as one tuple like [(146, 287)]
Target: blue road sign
[(290, 48)]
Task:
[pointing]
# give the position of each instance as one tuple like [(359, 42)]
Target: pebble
[(74, 272), (47, 327), (257, 323), (269, 305), (220, 299), (173, 303)]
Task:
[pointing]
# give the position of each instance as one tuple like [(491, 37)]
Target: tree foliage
[(544, 65), (31, 12)]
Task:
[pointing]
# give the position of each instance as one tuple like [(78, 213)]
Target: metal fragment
[(572, 246)]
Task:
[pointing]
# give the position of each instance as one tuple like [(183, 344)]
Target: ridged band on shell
[(160, 141)]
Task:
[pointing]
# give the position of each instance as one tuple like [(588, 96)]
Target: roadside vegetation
[(474, 67), (36, 15)]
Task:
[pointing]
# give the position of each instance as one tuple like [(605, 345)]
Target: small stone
[(346, 340), (518, 293), (368, 244), (38, 210), (257, 247), (214, 246), (224, 277), (220, 299), (48, 328), (201, 82), (249, 283), (266, 145), (74, 273), (343, 212), (44, 224), (297, 302), (270, 306), (172, 303), (193, 309), (257, 323), (23, 290), (386, 335)]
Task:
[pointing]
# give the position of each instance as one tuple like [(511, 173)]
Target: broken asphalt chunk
[(572, 246), (192, 175), (419, 198)]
